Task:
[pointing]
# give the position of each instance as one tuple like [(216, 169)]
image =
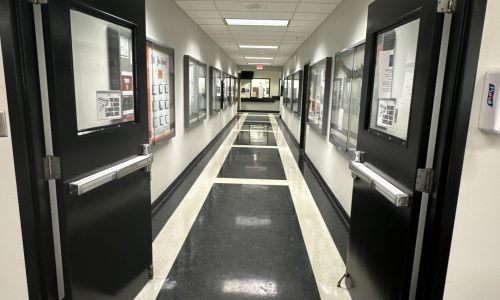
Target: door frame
[(28, 143), (458, 90)]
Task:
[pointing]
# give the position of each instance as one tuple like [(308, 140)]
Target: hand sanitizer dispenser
[(489, 118)]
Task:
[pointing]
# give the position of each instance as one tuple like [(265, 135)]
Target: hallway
[(248, 227)]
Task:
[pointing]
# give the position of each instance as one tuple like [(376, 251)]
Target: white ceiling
[(304, 15)]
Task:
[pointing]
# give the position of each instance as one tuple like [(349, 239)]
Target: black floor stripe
[(255, 163), (261, 138), (246, 243)]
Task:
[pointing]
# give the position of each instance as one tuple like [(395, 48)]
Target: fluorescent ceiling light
[(258, 57), (257, 22), (258, 47), (261, 63)]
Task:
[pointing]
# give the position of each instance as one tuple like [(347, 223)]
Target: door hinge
[(446, 6), (423, 183), (52, 167)]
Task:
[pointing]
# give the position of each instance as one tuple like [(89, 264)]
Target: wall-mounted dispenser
[(489, 118)]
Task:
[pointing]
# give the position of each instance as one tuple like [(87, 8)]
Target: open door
[(96, 70), (403, 44)]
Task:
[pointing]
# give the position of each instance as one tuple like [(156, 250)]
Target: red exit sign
[(260, 67)]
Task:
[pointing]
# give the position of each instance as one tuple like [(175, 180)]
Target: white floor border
[(326, 262)]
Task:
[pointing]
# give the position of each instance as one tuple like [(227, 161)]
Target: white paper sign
[(386, 113), (109, 105), (385, 75), (124, 51)]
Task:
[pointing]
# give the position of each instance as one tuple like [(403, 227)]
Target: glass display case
[(234, 88), (296, 92), (319, 94), (347, 80), (215, 90), (288, 92), (195, 94), (161, 92), (227, 90)]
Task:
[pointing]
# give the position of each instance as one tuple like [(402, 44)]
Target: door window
[(396, 52), (103, 70)]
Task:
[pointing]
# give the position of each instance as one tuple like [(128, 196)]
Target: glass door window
[(104, 75), (392, 89)]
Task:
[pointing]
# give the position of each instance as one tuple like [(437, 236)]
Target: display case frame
[(226, 90), (234, 88), (192, 119), (288, 92), (296, 102), (215, 102), (158, 132), (346, 97), (318, 108)]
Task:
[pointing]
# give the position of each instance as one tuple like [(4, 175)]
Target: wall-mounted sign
[(109, 105)]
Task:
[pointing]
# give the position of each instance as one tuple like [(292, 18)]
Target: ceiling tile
[(301, 23), (196, 5), (309, 16), (256, 6), (209, 21), (316, 7), (203, 14)]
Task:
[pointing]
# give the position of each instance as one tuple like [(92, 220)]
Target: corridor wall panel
[(345, 27), (167, 24)]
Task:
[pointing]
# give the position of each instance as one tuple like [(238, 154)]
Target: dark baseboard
[(344, 216), (163, 198)]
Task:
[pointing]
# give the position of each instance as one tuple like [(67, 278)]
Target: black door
[(96, 67), (403, 42)]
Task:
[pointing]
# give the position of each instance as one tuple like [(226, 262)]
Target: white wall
[(168, 24), (13, 283), (342, 29), (474, 266)]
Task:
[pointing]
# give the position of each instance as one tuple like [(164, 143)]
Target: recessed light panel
[(260, 63), (258, 47), (258, 57), (257, 22)]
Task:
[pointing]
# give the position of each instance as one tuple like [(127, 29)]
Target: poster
[(386, 71), (386, 113), (109, 106)]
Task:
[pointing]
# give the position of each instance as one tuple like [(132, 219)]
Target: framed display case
[(215, 90), (288, 92), (161, 92), (195, 91), (347, 80), (234, 88), (296, 92), (320, 75), (227, 90)]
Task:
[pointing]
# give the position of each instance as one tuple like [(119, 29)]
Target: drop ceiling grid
[(304, 15)]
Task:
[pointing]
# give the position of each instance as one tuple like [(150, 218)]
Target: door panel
[(96, 70), (403, 43)]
